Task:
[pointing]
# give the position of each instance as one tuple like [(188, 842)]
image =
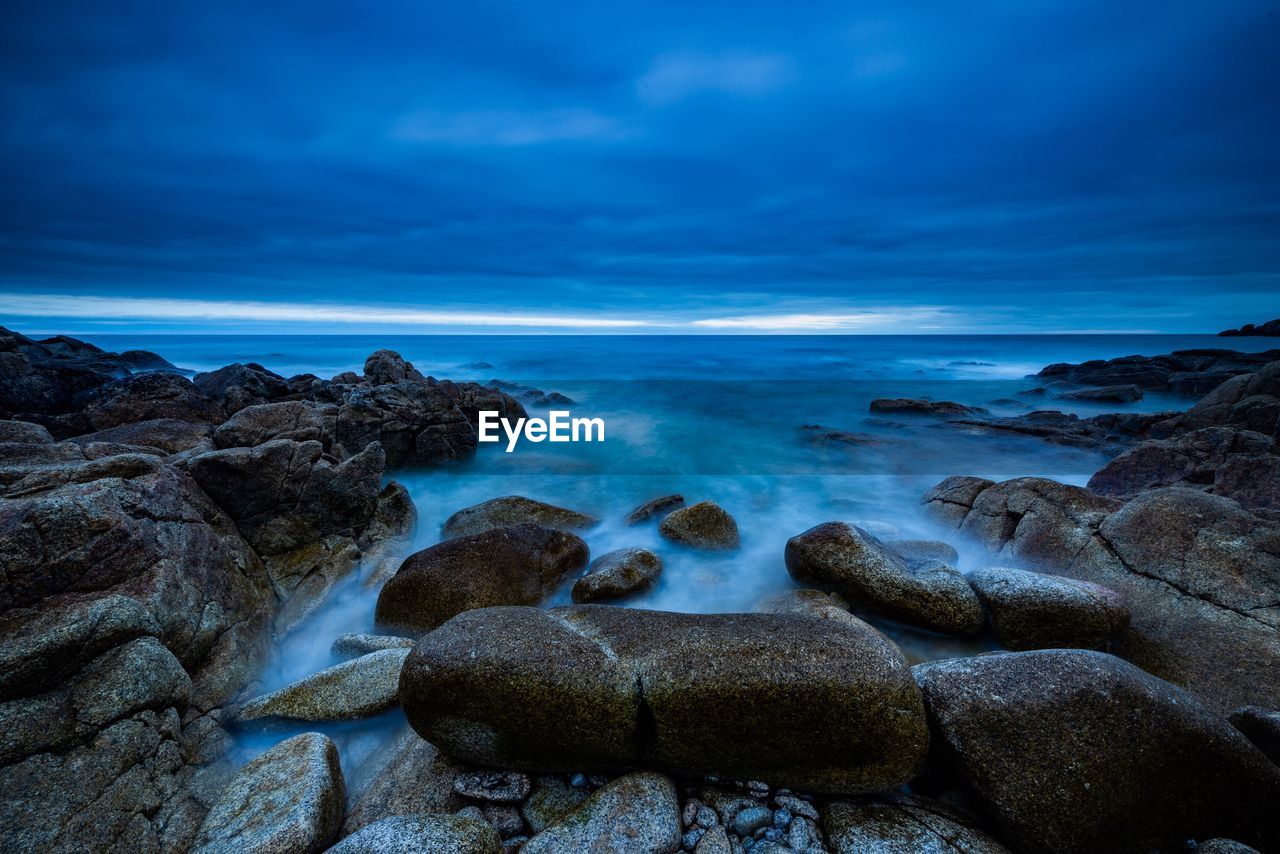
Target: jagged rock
[(355, 645), (361, 688), (405, 775), (385, 367), (170, 435), (514, 510), (1198, 572), (1031, 610), (705, 525), (292, 419), (841, 557), (637, 812), (902, 824), (413, 834), (656, 508), (515, 565), (1121, 760), (617, 574), (1248, 402), (236, 386), (788, 699), (1160, 371), (288, 799), (146, 397)]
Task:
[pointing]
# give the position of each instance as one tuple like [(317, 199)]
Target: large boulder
[(636, 812), (1072, 750), (1198, 573), (385, 367), (514, 510), (291, 419), (515, 565), (1246, 402), (705, 525), (1032, 610), (902, 824), (170, 435), (618, 574), (789, 699), (413, 834), (146, 397), (869, 575), (236, 386), (360, 688), (288, 799)]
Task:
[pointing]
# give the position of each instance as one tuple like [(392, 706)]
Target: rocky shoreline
[(159, 534)]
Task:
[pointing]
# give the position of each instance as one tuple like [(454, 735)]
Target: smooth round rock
[(705, 525), (514, 510), (617, 574), (1031, 610)]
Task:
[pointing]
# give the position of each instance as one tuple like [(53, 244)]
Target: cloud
[(888, 319), (674, 77), (508, 127), (160, 309)]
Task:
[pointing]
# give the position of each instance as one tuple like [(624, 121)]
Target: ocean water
[(725, 418)]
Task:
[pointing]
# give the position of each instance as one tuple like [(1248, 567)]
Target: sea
[(775, 429)]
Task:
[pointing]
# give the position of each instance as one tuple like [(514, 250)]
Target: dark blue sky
[(977, 166)]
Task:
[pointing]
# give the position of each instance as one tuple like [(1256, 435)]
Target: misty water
[(729, 419)]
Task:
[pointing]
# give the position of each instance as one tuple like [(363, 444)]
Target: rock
[(411, 834), (146, 397), (385, 367), (1110, 432), (288, 799), (918, 550), (1197, 571), (406, 775), (293, 419), (799, 701), (1262, 727), (704, 525), (499, 786), (751, 819), (1224, 846), (617, 574), (550, 800), (1270, 328), (903, 824), (514, 510), (1031, 610), (355, 645), (361, 688), (714, 841), (920, 406), (1161, 371), (237, 386), (951, 500), (656, 508), (637, 812), (503, 818), (170, 435), (518, 564), (841, 557), (1104, 394), (1246, 402), (1121, 760), (25, 432)]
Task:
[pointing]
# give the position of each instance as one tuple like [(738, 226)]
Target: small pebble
[(690, 839), (757, 788), (504, 818), (796, 806), (690, 814), (472, 811), (493, 785), (707, 817), (597, 779), (749, 820), (578, 781), (782, 818)]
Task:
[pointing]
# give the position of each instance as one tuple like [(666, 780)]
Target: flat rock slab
[(637, 812), (361, 688), (790, 699), (356, 645), (289, 799)]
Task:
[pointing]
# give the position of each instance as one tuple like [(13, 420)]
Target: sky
[(711, 167)]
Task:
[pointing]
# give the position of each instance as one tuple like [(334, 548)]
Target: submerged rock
[(903, 824), (361, 688), (636, 812), (789, 699), (288, 799), (1121, 760), (514, 510), (618, 574), (841, 557), (423, 832), (515, 565), (1031, 610), (1104, 394), (656, 508), (920, 406), (705, 525)]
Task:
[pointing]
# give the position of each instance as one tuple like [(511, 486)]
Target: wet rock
[(618, 574), (514, 510), (499, 786), (551, 799), (1104, 394), (293, 419), (288, 799), (1031, 610), (1262, 727), (637, 812), (951, 500), (918, 550), (518, 564), (655, 509), (705, 525), (782, 698), (841, 557), (412, 834), (920, 406), (384, 367), (1109, 433), (361, 688), (903, 824), (355, 645), (1198, 573), (406, 775), (1122, 760)]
